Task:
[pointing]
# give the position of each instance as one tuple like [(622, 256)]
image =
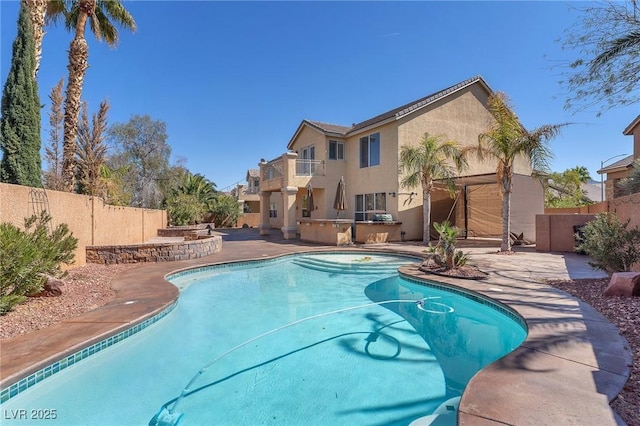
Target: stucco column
[(265, 222), (290, 228)]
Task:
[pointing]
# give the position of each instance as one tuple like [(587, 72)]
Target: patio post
[(289, 227), (265, 222)]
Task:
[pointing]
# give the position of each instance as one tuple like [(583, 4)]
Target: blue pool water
[(340, 354)]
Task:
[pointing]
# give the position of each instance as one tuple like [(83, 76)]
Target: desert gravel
[(85, 288)]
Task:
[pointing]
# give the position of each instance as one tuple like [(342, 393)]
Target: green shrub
[(445, 253), (184, 209), (631, 184), (612, 246), (224, 211), (26, 257)]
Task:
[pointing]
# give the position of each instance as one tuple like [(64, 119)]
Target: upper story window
[(370, 150), (308, 153), (336, 150)]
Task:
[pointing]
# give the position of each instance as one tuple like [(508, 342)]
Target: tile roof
[(339, 130), (624, 163), (415, 105), (329, 128)]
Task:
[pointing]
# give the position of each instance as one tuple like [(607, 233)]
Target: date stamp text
[(32, 414)]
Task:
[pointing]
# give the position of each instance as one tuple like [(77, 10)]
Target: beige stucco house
[(248, 199), (366, 154), (621, 168)]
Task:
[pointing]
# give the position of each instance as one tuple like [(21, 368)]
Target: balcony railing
[(309, 168), (252, 190), (273, 170)]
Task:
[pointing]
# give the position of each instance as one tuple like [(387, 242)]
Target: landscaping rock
[(51, 288), (624, 284)]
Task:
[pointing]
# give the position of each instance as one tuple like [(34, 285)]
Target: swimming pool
[(340, 353)]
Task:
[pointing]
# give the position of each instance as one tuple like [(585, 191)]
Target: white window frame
[(372, 140), (339, 150), (371, 202), (308, 153)]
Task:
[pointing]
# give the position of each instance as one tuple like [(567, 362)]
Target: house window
[(307, 166), (336, 150), (370, 150), (308, 153), (273, 210), (367, 204)]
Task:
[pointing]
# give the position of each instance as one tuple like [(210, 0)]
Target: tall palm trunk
[(505, 245), (426, 213), (37, 12), (78, 56)]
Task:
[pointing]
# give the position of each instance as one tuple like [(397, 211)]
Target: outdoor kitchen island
[(326, 231)]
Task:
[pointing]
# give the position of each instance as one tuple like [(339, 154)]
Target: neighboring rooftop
[(626, 162)]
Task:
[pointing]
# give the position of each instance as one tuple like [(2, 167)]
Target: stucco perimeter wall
[(155, 252), (592, 208), (124, 225), (554, 229), (555, 232), (627, 208), (90, 220), (252, 220)]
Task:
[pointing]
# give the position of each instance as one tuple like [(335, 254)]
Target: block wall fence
[(92, 221), (554, 229)]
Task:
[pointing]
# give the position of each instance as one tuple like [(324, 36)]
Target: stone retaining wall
[(154, 252), (179, 231)]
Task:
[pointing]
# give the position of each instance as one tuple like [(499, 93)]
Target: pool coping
[(572, 364)]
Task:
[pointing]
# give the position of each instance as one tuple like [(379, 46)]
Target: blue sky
[(233, 80)]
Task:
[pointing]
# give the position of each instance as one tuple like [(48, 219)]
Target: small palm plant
[(444, 253), (427, 162)]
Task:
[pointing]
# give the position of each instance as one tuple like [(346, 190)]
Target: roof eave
[(371, 126), (629, 129), (384, 119), (473, 81), (309, 124), (613, 169)]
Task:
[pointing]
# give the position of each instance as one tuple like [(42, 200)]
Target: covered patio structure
[(477, 206)]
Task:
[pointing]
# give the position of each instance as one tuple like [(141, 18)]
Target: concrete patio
[(571, 365)]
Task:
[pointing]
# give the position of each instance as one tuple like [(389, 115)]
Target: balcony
[(290, 171)]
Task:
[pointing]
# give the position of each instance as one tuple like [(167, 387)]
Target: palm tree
[(200, 187), (621, 46), (507, 140), (430, 160), (100, 14), (42, 12)]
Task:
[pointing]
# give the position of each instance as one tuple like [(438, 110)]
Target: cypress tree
[(20, 122)]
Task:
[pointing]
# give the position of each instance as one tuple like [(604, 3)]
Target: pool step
[(355, 267)]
